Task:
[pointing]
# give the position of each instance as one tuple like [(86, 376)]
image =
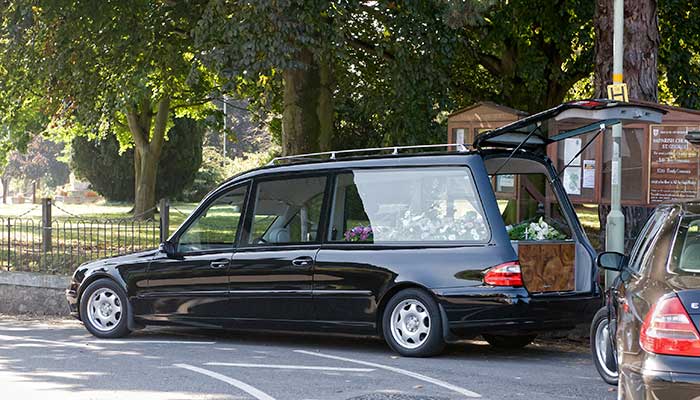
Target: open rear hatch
[(567, 120), (564, 264)]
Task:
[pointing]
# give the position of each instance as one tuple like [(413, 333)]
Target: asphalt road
[(58, 359)]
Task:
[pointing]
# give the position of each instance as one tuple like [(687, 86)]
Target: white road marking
[(110, 341), (52, 342), (401, 371), (258, 394), (276, 366)]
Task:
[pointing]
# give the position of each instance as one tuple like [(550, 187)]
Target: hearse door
[(193, 282), (272, 270)]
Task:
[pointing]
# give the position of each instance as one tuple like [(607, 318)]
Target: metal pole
[(164, 219), (46, 225), (225, 118), (615, 227)]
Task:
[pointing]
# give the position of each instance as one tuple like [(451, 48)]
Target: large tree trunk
[(307, 119), (147, 148), (641, 46)]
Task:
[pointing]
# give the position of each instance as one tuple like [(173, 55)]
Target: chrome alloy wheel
[(602, 338), (104, 309), (410, 323)]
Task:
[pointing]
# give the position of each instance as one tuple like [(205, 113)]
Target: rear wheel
[(103, 309), (412, 324), (603, 348), (509, 342)]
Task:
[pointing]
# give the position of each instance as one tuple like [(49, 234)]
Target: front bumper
[(72, 297), (662, 378)]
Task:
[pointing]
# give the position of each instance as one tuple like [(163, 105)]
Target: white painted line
[(276, 366), (51, 342), (401, 371), (110, 341), (258, 394)]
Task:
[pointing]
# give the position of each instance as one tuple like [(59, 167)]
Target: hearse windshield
[(427, 204)]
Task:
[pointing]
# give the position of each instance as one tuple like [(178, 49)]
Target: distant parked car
[(648, 336), (406, 243)]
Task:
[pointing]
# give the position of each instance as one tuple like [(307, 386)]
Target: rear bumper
[(474, 311), (663, 377)]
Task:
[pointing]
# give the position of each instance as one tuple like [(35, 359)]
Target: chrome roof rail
[(334, 155)]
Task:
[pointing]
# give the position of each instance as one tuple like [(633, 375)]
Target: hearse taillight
[(668, 329), (506, 274)]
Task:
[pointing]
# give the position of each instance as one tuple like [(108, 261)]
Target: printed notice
[(588, 174), (572, 180), (571, 147), (673, 173)]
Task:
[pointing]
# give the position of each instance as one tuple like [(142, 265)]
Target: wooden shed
[(464, 124)]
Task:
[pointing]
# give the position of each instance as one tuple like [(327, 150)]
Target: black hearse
[(409, 243)]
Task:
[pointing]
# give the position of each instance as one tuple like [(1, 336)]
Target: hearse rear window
[(428, 204)]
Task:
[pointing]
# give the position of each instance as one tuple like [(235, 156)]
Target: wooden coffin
[(547, 266)]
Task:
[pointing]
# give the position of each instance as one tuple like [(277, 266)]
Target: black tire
[(115, 330), (509, 342), (433, 342), (606, 369)]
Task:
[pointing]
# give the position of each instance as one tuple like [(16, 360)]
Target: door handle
[(302, 261), (218, 264)]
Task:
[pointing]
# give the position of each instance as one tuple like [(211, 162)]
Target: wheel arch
[(106, 275), (392, 291)]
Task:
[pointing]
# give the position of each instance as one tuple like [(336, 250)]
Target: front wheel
[(103, 309), (412, 324), (603, 348), (509, 342)]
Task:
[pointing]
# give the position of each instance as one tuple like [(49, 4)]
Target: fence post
[(46, 225), (164, 219)]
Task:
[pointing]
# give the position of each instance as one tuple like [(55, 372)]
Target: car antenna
[(512, 153)]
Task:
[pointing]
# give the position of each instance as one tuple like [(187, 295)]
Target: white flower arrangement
[(435, 226)]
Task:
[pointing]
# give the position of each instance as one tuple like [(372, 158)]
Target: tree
[(125, 67), (679, 52), (525, 54), (348, 72), (109, 170), (641, 48)]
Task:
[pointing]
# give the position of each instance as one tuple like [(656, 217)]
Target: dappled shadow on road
[(56, 359)]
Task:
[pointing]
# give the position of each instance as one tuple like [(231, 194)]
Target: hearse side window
[(287, 211), (216, 227), (429, 204), (686, 249)]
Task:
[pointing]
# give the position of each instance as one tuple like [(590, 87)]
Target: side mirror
[(168, 248), (611, 260)]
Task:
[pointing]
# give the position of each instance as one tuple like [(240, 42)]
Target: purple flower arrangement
[(359, 234)]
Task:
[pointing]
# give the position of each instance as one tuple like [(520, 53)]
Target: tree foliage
[(525, 54), (378, 71), (679, 52), (123, 67), (110, 171)]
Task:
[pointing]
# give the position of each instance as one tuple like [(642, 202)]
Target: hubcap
[(104, 310), (602, 338), (410, 323)]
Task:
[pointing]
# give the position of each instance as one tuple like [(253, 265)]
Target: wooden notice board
[(673, 171), (547, 266)]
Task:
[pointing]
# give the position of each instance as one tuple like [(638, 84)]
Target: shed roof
[(493, 105)]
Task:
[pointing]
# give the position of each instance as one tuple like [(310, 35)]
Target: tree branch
[(132, 119), (160, 123), (364, 45)]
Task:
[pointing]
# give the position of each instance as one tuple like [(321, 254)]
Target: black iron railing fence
[(58, 246)]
